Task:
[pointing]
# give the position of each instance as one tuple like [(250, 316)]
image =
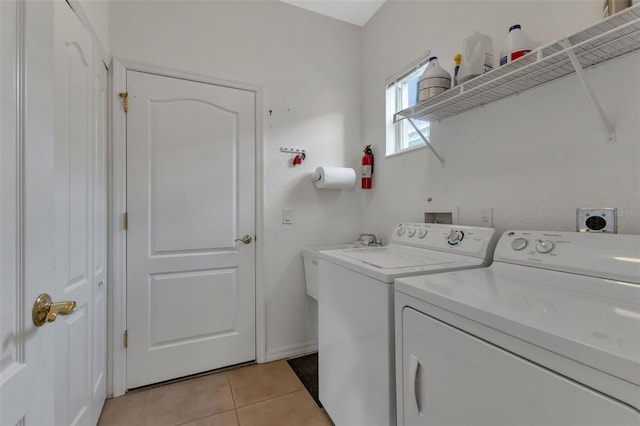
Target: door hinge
[(125, 100), (125, 220), (125, 338)]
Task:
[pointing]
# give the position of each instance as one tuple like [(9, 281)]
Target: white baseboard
[(291, 351)]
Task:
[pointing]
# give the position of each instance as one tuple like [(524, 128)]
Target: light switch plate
[(604, 220), (287, 216)]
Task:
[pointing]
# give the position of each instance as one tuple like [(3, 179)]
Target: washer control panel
[(602, 255), (455, 237), (469, 240)]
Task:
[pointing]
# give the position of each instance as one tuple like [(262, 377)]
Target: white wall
[(535, 157), (308, 67), (97, 13)]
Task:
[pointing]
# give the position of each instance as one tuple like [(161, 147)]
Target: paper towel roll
[(334, 178)]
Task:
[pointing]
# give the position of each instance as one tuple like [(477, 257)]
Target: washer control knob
[(422, 233), (401, 230), (455, 236), (544, 246), (411, 232), (519, 243)]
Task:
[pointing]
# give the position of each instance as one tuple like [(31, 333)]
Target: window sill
[(404, 151)]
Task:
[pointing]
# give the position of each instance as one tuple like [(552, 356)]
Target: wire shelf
[(608, 39)]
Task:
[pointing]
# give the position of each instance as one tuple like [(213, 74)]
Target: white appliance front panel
[(450, 377), (356, 346)]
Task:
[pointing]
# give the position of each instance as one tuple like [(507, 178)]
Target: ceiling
[(357, 12)]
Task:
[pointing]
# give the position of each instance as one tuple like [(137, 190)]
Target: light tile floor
[(258, 395)]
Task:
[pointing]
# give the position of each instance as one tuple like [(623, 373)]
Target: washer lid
[(591, 320), (395, 260), (383, 258)]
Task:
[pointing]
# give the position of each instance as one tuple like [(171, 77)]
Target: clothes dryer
[(549, 334)]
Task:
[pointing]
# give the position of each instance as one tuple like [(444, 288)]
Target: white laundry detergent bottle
[(518, 45), (434, 80), (477, 56)]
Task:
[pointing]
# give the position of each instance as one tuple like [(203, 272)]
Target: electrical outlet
[(597, 220), (485, 215), (287, 216)]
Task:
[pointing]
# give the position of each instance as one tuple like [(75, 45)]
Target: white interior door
[(51, 150), (190, 197), (99, 239), (79, 212), (15, 370), (45, 212)]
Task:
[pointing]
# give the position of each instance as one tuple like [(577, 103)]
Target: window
[(402, 92)]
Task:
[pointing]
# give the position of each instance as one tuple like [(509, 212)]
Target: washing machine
[(355, 318), (549, 334)]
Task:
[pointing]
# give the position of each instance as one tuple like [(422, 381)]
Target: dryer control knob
[(519, 243), (544, 246), (422, 233), (411, 232), (455, 236), (401, 230)]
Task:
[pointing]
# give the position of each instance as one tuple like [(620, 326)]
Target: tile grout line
[(205, 417), (274, 397), (148, 408), (233, 398)]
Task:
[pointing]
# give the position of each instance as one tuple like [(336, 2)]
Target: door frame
[(117, 199)]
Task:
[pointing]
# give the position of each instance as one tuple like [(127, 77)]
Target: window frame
[(396, 133)]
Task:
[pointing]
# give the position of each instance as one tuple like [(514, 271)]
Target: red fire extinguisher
[(367, 167)]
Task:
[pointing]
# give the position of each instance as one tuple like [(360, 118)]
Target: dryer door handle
[(414, 370)]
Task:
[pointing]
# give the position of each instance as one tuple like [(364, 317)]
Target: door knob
[(245, 239), (45, 310)]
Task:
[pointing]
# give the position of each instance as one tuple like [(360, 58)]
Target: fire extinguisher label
[(366, 171)]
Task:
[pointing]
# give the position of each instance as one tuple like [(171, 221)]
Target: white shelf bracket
[(427, 142), (608, 128)]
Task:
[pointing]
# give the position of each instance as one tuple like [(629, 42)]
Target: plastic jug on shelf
[(518, 45), (434, 80), (477, 56)]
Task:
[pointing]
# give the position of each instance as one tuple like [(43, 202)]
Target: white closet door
[(99, 249), (15, 368), (73, 215), (47, 215)]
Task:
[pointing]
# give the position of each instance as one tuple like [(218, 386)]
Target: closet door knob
[(45, 310)]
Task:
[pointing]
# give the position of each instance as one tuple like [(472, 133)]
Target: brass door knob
[(245, 239), (45, 310)]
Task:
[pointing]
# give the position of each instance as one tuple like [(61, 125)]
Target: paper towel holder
[(333, 178)]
